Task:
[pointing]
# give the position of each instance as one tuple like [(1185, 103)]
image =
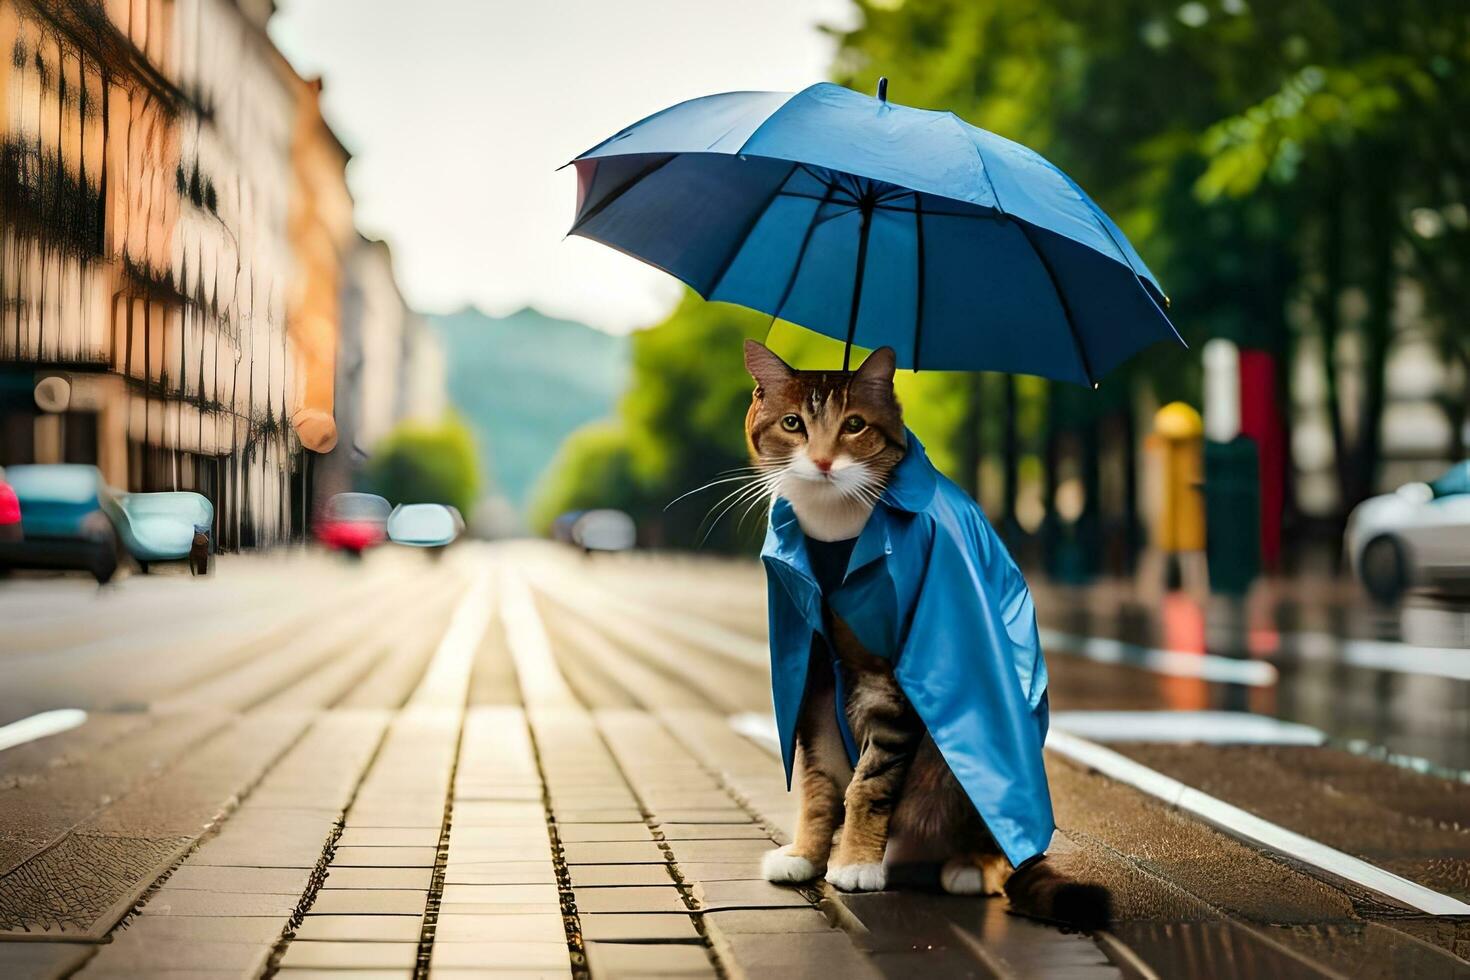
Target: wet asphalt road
[(520, 762)]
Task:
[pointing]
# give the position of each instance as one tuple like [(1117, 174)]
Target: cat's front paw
[(858, 877), (781, 865)]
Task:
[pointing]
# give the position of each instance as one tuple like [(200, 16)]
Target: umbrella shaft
[(857, 280)]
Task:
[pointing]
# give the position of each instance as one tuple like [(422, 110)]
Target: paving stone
[(719, 870), (503, 853), (767, 920), (347, 974), (452, 973), (454, 927), (732, 814), (385, 857), (714, 799), (799, 956), (494, 957), (719, 850), (245, 973), (630, 960), (615, 875), (499, 836), (143, 956), (499, 872), (168, 901), (638, 927), (585, 832), (27, 959), (505, 908), (651, 898), (456, 894), (713, 895), (360, 928), (259, 881), (188, 928), (238, 852), (510, 786), (598, 815), (476, 813), (714, 831), (368, 901), (614, 852), (334, 955), (416, 878), (389, 837), (396, 817)]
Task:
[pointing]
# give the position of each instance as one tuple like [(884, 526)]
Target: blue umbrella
[(876, 224)]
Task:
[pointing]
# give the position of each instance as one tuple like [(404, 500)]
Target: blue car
[(63, 524), (165, 526)]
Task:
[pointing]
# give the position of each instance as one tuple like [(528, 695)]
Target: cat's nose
[(825, 465)]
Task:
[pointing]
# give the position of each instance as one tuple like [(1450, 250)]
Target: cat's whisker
[(735, 498), (753, 493), (713, 483)]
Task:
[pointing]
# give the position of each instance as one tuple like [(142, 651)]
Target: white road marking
[(1398, 658), (1175, 663), (39, 726), (1247, 826), (1213, 727)]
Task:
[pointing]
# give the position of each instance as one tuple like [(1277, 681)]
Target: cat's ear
[(878, 368), (764, 366)]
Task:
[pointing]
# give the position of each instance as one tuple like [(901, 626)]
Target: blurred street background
[(298, 376)]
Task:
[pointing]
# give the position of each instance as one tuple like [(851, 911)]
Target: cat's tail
[(1039, 890)]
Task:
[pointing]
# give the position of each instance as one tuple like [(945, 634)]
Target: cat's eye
[(854, 423), (791, 423)]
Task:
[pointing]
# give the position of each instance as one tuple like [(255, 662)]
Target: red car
[(353, 522), (9, 511)]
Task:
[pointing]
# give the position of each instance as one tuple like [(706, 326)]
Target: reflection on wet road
[(1338, 666)]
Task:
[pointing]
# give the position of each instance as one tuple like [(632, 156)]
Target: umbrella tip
[(883, 89)]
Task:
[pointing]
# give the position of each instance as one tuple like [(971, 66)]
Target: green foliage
[(593, 468), (419, 463)]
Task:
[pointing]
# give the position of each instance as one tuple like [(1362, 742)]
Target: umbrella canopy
[(876, 224)]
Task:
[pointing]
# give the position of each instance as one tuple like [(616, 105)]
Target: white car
[(1419, 535)]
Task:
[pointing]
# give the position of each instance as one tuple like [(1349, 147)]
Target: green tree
[(420, 463)]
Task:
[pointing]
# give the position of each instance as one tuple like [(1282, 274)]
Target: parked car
[(9, 511), (62, 521), (353, 522), (604, 530), (165, 526), (425, 525), (1417, 536)]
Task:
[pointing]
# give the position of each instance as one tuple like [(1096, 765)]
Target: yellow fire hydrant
[(1177, 450)]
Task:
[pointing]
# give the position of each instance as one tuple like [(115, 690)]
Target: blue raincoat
[(931, 588)]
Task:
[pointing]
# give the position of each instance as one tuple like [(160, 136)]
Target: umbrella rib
[(1056, 287), (636, 179), (750, 227)]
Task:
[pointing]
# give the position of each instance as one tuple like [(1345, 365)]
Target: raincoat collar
[(910, 488)]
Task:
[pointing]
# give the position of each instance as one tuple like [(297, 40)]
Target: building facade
[(174, 230)]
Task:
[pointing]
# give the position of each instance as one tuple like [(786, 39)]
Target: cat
[(827, 441)]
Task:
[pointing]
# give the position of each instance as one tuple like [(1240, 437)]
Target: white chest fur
[(823, 513)]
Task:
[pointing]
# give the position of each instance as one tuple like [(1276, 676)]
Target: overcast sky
[(458, 113)]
